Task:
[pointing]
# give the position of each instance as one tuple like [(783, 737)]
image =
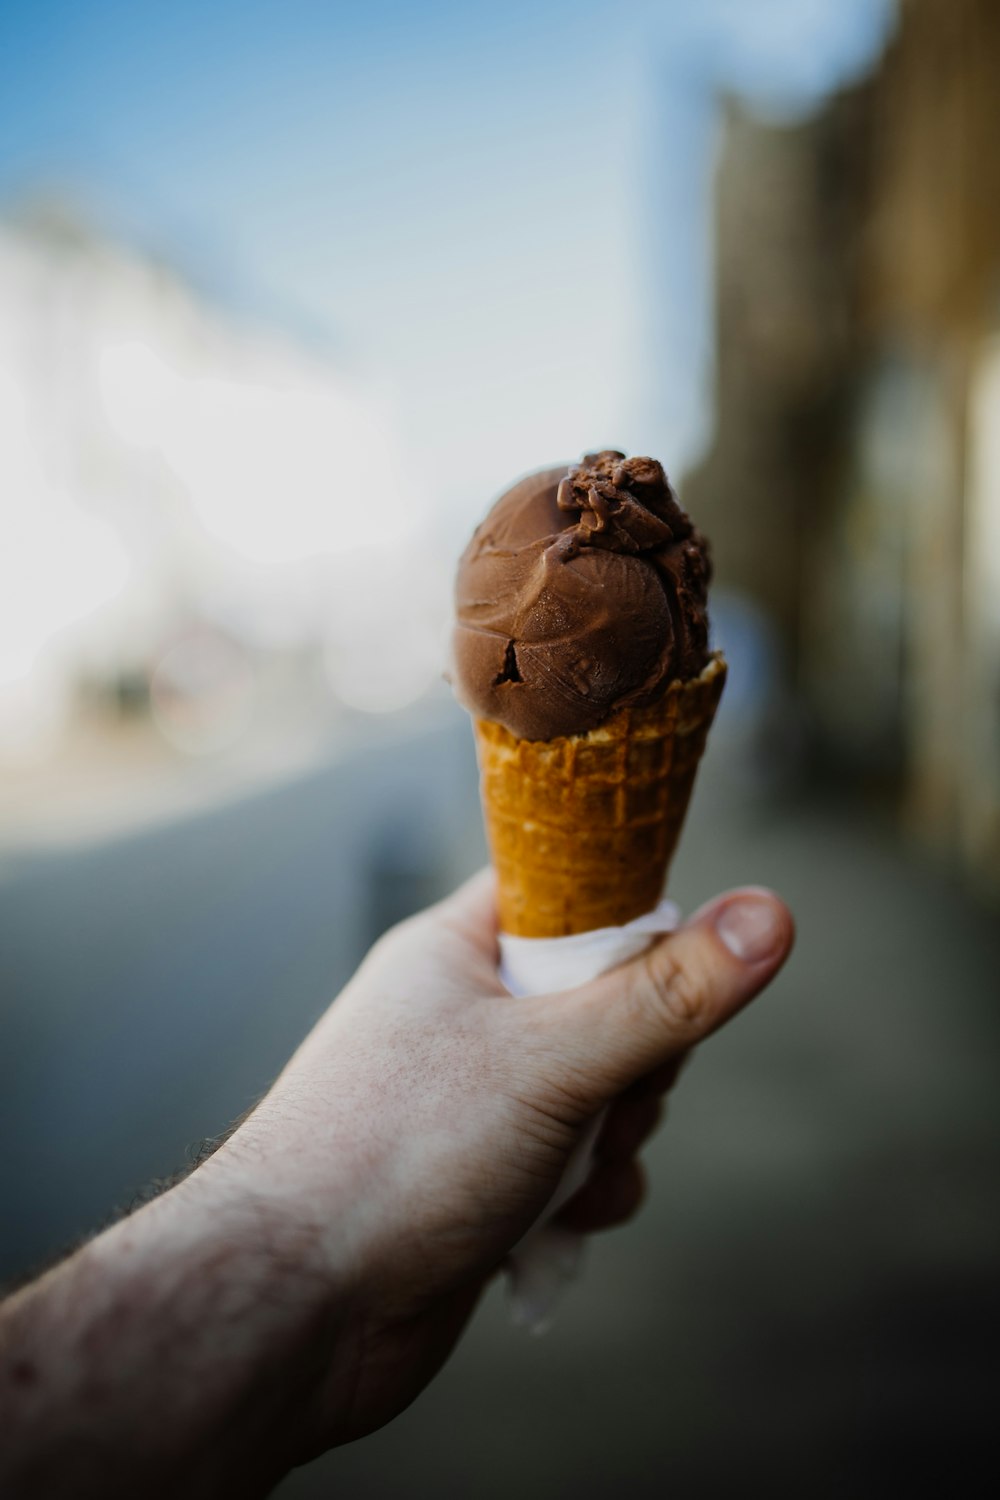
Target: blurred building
[(854, 485), (195, 503)]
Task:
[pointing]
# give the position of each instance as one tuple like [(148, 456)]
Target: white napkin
[(547, 1259)]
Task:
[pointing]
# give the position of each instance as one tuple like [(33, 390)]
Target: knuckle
[(675, 992)]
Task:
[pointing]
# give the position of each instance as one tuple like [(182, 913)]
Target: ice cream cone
[(582, 828)]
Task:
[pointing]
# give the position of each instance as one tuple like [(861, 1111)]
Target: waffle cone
[(582, 829)]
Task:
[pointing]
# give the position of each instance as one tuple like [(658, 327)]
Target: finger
[(643, 1015), (631, 1121), (613, 1195), (662, 1079), (472, 911), (658, 1083), (474, 901)]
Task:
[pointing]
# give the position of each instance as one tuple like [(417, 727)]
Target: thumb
[(619, 1027)]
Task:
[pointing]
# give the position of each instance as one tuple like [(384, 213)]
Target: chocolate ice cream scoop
[(584, 590)]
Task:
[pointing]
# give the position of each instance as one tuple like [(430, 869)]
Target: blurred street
[(808, 1304)]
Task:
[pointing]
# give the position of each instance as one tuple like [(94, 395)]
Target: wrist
[(291, 1200), (301, 1170), (261, 1238)]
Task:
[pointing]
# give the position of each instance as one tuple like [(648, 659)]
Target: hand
[(304, 1284), (424, 1124)]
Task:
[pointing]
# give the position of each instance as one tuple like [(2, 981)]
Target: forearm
[(178, 1353)]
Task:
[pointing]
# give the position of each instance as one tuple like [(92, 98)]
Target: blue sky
[(496, 214)]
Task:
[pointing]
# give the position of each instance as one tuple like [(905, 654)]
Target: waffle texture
[(582, 829)]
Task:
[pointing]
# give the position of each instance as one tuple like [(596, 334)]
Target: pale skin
[(302, 1286)]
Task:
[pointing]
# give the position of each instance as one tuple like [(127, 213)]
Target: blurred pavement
[(808, 1304)]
